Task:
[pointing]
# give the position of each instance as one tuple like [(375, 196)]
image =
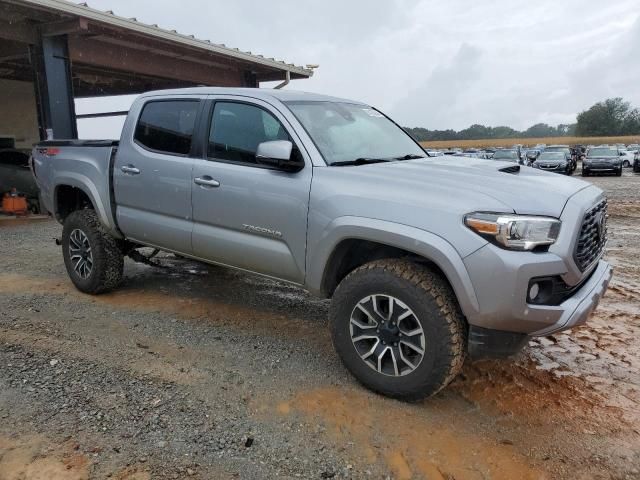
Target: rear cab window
[(167, 126)]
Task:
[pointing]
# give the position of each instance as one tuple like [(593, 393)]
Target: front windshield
[(602, 152), (345, 132), (558, 149), (505, 155), (551, 156)]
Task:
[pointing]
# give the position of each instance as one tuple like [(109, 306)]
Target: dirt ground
[(201, 372)]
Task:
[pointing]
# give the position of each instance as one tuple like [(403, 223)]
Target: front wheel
[(398, 328), (93, 258), (626, 164)]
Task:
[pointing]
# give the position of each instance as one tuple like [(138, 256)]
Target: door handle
[(130, 169), (206, 181)]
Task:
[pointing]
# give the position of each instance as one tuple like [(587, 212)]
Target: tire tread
[(448, 366), (106, 250)]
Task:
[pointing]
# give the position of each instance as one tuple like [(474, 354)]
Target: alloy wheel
[(387, 335), (80, 253)]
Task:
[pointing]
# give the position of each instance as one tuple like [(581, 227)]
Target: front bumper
[(559, 168), (578, 308), (602, 167), (492, 343), (501, 280)]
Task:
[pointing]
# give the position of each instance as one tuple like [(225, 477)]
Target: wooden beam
[(77, 25), (18, 32), (88, 51)]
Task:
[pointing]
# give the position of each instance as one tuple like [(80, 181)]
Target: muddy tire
[(93, 258), (398, 328)]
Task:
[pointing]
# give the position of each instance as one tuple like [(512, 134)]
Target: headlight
[(515, 232)]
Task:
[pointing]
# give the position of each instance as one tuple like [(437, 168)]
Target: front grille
[(593, 236)]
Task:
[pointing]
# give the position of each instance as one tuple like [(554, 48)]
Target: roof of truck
[(262, 93)]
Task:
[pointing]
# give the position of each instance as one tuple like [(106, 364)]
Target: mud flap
[(487, 343)]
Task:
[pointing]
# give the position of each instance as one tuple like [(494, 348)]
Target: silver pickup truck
[(425, 259)]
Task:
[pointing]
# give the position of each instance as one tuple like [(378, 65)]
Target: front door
[(152, 175), (245, 215)]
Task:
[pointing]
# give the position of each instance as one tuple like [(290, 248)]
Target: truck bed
[(86, 165), (78, 143)]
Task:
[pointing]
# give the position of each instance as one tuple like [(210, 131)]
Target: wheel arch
[(75, 192), (353, 241)]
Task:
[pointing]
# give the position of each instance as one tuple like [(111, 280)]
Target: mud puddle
[(410, 441), (34, 458)]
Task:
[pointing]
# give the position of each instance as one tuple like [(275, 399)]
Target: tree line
[(611, 117)]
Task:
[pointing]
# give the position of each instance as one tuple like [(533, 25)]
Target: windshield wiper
[(410, 156), (360, 161)]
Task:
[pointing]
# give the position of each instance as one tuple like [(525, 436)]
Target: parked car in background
[(567, 152), (473, 153), (507, 156), (627, 157), (554, 162), (434, 153), (530, 156), (634, 147), (602, 160)]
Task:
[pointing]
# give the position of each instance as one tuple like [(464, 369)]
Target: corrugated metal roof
[(110, 18)]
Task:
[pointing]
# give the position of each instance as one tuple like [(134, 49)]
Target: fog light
[(534, 291)]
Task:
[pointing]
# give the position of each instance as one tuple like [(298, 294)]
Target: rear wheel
[(93, 258), (585, 173), (398, 328), (626, 164)]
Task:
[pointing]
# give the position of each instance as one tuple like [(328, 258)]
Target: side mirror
[(621, 154), (277, 155)]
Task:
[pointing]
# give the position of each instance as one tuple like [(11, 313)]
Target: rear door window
[(167, 126)]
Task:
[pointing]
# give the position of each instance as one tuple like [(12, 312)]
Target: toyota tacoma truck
[(425, 260)]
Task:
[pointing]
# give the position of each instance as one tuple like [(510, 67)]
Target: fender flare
[(420, 242), (84, 184)]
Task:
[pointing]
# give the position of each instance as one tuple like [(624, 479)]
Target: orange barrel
[(14, 204)]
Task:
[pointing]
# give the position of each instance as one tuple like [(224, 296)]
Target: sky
[(433, 64)]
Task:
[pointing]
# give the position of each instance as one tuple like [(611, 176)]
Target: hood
[(469, 184)]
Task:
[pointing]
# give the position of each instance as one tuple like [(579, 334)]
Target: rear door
[(152, 173), (246, 215)]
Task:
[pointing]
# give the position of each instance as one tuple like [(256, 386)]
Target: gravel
[(192, 371)]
